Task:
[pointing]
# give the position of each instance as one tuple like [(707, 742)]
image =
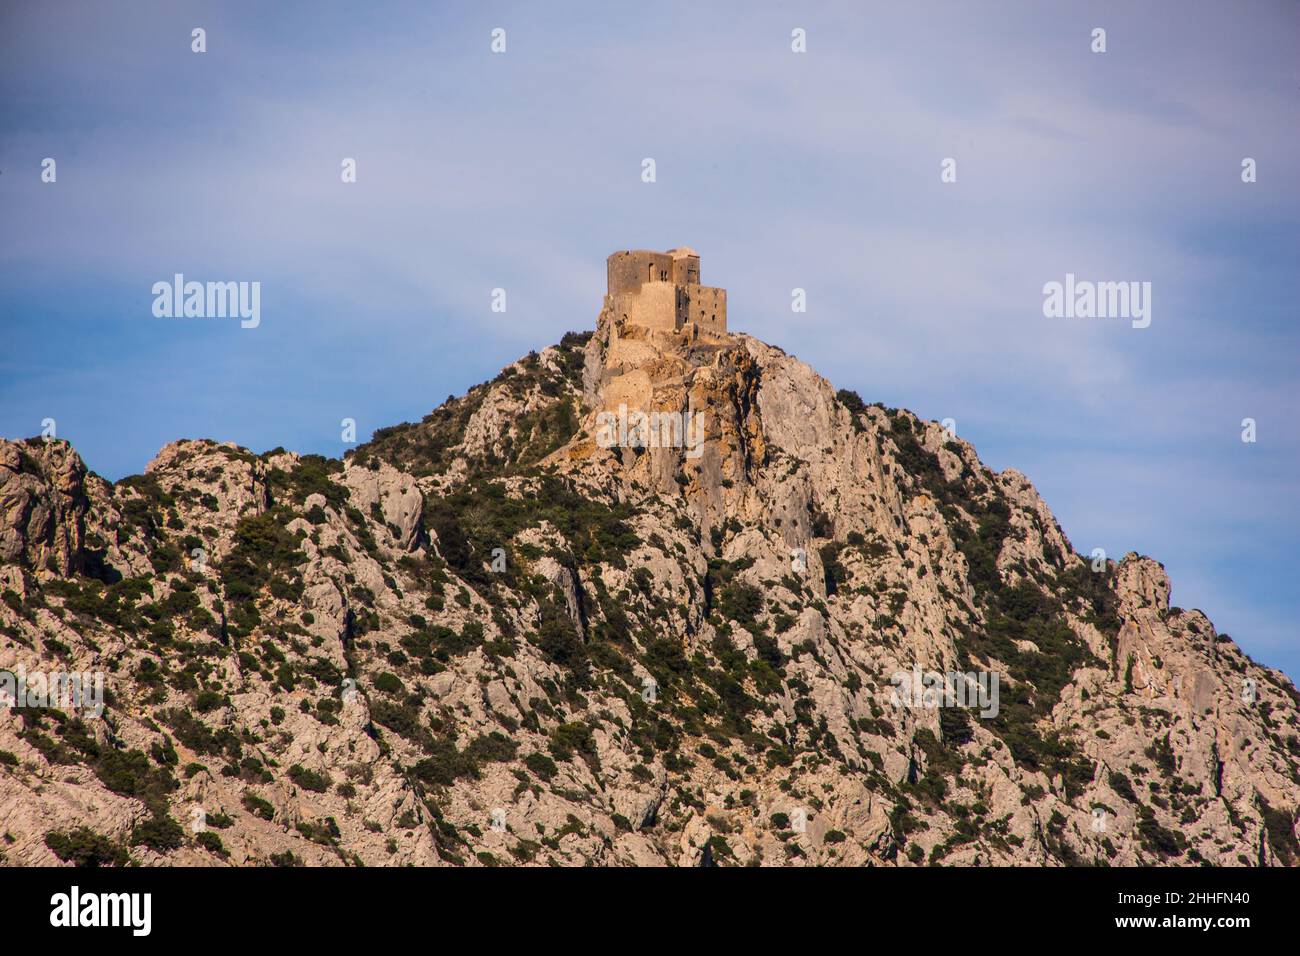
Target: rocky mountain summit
[(553, 624)]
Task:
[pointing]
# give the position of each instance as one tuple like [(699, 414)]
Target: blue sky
[(818, 170)]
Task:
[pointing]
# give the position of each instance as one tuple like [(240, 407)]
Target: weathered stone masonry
[(661, 290)]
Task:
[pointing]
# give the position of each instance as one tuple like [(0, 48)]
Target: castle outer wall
[(661, 290), (652, 306), (628, 271)]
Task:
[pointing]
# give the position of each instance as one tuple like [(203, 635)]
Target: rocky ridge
[(487, 639)]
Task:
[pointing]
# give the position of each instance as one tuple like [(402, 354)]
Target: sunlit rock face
[(651, 590)]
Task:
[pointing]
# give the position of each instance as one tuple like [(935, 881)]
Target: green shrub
[(856, 406), (130, 773), (741, 602), (388, 683), (1122, 786), (262, 550), (541, 765), (211, 842), (566, 739), (208, 700), (445, 764), (258, 807), (84, 847), (159, 833), (309, 779)]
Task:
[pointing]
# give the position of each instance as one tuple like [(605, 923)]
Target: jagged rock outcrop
[(42, 505), (497, 637)]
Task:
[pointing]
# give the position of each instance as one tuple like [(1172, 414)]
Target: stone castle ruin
[(659, 322), (662, 291)]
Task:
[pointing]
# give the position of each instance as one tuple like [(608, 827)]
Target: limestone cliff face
[(42, 506), (495, 637)]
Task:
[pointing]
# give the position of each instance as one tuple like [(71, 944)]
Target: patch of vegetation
[(313, 476), (445, 764), (1157, 839), (309, 779), (85, 848), (161, 834), (856, 406), (257, 806), (211, 842), (263, 554), (477, 518), (542, 431), (430, 446), (541, 765), (1014, 614), (130, 773)]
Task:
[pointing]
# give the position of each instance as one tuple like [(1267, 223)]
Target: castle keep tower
[(661, 290)]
